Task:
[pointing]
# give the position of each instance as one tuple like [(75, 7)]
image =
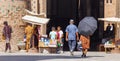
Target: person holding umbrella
[(71, 35), (87, 26), (85, 44)]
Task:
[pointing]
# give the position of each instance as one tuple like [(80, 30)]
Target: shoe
[(71, 53), (83, 56)]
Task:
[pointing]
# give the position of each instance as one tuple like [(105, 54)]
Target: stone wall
[(118, 8), (13, 11), (110, 8), (41, 6), (14, 18), (34, 6), (38, 5)]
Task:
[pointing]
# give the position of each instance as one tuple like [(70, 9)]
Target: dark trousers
[(7, 46)]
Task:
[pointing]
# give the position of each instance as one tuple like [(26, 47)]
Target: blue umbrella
[(87, 26)]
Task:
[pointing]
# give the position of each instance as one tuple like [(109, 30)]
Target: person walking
[(85, 44), (59, 39), (29, 33), (71, 35), (7, 30)]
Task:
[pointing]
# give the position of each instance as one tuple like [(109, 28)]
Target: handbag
[(79, 46), (3, 37)]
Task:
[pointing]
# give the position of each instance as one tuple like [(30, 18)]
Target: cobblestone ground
[(91, 56)]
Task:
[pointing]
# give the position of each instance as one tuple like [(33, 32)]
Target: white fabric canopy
[(110, 19), (35, 20)]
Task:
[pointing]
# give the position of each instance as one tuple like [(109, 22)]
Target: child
[(53, 34), (59, 39)]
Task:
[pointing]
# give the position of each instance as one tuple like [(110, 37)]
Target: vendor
[(36, 36)]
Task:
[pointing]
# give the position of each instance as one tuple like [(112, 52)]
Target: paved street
[(92, 56)]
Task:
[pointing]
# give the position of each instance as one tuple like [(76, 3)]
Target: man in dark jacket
[(108, 31), (7, 30)]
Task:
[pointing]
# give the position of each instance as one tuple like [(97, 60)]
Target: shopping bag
[(3, 37), (79, 46)]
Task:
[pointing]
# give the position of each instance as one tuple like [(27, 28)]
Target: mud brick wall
[(14, 18)]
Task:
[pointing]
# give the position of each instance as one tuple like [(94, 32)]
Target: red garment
[(58, 35)]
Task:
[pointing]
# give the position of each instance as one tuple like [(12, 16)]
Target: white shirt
[(111, 28)]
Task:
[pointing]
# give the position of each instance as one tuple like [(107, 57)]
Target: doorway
[(61, 11)]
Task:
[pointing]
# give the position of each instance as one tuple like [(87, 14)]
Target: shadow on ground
[(39, 58)]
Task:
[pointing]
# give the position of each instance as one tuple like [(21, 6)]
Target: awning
[(109, 19), (35, 20)]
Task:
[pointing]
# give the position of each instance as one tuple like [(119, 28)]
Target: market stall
[(37, 21), (45, 45), (111, 43), (115, 21)]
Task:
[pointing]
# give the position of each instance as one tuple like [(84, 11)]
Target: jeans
[(72, 45)]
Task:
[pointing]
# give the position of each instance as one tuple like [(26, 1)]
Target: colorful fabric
[(29, 31), (58, 35), (85, 42)]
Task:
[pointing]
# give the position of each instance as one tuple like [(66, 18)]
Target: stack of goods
[(44, 42), (53, 43)]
